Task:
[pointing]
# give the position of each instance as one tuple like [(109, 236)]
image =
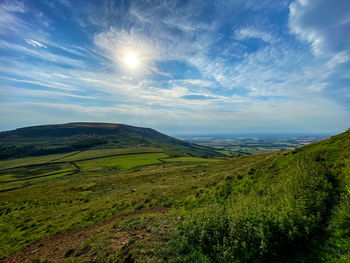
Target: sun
[(131, 60)]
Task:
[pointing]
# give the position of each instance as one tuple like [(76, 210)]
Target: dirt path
[(54, 248)]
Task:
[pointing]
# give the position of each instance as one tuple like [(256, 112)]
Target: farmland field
[(24, 172), (122, 162), (248, 145), (82, 155), (6, 164)]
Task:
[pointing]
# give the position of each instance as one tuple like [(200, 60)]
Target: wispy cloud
[(44, 55), (221, 64), (12, 6), (249, 32), (324, 24), (35, 43)]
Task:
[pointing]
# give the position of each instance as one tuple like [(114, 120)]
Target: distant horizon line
[(192, 134), (251, 134)]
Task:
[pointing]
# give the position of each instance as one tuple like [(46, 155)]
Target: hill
[(61, 138), (291, 206)]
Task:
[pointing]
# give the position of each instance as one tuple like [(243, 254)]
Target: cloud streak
[(231, 66), (324, 24), (35, 43)]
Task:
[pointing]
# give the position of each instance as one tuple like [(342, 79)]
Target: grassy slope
[(250, 209), (108, 152), (190, 160), (73, 156), (294, 202), (6, 164), (63, 138)]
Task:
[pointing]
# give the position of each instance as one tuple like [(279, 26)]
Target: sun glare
[(131, 60)]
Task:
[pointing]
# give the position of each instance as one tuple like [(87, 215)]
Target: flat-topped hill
[(60, 138)]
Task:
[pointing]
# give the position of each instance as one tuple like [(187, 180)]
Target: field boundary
[(86, 159), (71, 172), (77, 170)]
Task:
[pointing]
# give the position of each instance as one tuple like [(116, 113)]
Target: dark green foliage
[(60, 138), (14, 151), (283, 220), (86, 143)]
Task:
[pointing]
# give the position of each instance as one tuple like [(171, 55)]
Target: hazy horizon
[(180, 67), (188, 134)]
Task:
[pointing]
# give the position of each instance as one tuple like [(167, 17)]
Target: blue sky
[(202, 67)]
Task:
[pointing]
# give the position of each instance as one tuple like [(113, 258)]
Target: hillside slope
[(292, 207), (289, 207), (60, 138)]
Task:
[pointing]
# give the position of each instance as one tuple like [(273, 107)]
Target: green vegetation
[(284, 207), (64, 138), (89, 196), (122, 162), (146, 206), (88, 154), (190, 160), (6, 164), (25, 176)]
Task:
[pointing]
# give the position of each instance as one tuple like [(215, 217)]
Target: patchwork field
[(24, 172), (248, 145), (122, 162), (20, 177)]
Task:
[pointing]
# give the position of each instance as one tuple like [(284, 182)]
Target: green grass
[(288, 203), (6, 164), (105, 152), (122, 162), (73, 156), (279, 207), (90, 196), (190, 160), (25, 176), (22, 184)]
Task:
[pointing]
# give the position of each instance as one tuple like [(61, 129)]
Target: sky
[(181, 67)]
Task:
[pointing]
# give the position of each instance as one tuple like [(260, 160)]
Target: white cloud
[(324, 24), (13, 92), (250, 32), (12, 6), (222, 67), (8, 19), (35, 43), (44, 55)]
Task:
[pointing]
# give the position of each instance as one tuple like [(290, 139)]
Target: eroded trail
[(56, 247)]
